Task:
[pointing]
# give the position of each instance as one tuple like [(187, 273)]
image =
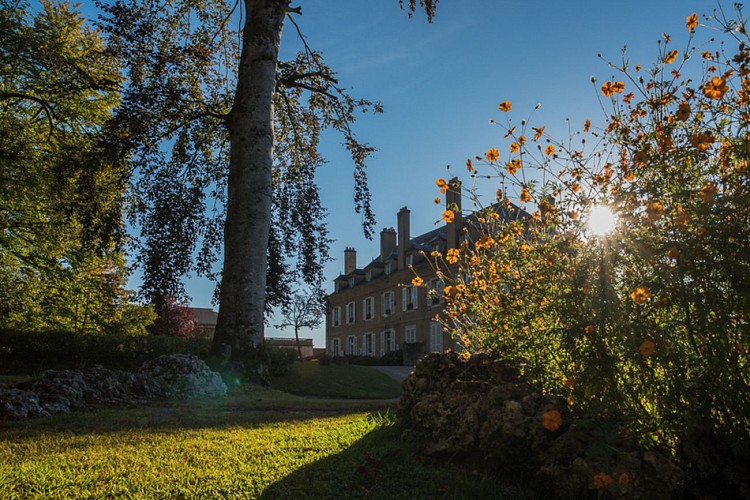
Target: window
[(352, 345), (387, 341), (368, 308), (368, 276), (351, 312), (410, 259), (387, 268), (335, 347), (435, 290), (351, 282), (336, 316), (436, 337), (410, 334), (388, 302), (368, 344), (409, 298)]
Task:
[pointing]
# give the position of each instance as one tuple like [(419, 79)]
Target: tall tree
[(60, 188), (243, 130)]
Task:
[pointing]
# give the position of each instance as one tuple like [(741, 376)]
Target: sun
[(601, 220)]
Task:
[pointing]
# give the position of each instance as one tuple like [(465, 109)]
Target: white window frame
[(368, 344), (351, 282), (410, 334), (368, 305), (336, 347), (336, 317), (368, 275), (351, 313), (387, 268), (435, 292), (352, 344), (388, 303), (410, 298), (410, 259), (436, 337), (388, 341)]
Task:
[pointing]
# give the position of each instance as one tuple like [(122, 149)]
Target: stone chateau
[(375, 309)]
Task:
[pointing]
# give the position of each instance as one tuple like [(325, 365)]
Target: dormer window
[(368, 276), (387, 268), (410, 259), (351, 282)]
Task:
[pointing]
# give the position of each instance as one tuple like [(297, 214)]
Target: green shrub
[(649, 321), (281, 360), (33, 352)]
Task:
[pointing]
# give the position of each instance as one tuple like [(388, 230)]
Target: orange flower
[(442, 185), (499, 194), (602, 481), (702, 142), (437, 201), (417, 281), (551, 420), (452, 258), (587, 125), (575, 187), (683, 111), (525, 196), (492, 155), (624, 478), (448, 216), (514, 147), (674, 252), (670, 57), (610, 88), (512, 166), (640, 295), (469, 166), (654, 210), (708, 192), (538, 133), (485, 241), (505, 106), (716, 88), (691, 21), (549, 150), (647, 348), (589, 329)]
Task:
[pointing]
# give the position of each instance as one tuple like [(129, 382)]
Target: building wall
[(421, 318)]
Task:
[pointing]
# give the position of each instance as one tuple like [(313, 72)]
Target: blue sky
[(441, 83)]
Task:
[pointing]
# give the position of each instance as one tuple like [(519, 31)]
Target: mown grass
[(256, 443), (337, 381)]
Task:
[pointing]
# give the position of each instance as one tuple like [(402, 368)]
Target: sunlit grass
[(255, 443)]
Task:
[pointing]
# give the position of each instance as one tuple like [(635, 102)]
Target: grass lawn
[(255, 443), (337, 381)]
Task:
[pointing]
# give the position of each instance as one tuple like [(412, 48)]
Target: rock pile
[(175, 376), (480, 410)]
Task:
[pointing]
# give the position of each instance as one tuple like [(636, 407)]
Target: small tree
[(305, 310), (174, 319)]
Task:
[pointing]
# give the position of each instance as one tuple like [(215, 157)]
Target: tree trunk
[(299, 348), (239, 327)]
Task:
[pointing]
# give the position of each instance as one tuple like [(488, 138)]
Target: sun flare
[(601, 220)]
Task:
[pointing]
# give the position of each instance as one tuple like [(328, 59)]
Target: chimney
[(350, 260), (453, 202), (387, 243), (404, 239)]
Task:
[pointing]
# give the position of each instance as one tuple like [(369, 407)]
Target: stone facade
[(375, 309)]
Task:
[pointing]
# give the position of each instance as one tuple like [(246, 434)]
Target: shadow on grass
[(250, 408), (380, 465)]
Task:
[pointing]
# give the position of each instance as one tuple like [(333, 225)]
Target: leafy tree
[(305, 310), (647, 323), (224, 139), (174, 319), (60, 187)]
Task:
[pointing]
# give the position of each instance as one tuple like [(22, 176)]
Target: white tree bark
[(240, 323)]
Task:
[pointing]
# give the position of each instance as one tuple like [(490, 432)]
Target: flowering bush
[(646, 321)]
